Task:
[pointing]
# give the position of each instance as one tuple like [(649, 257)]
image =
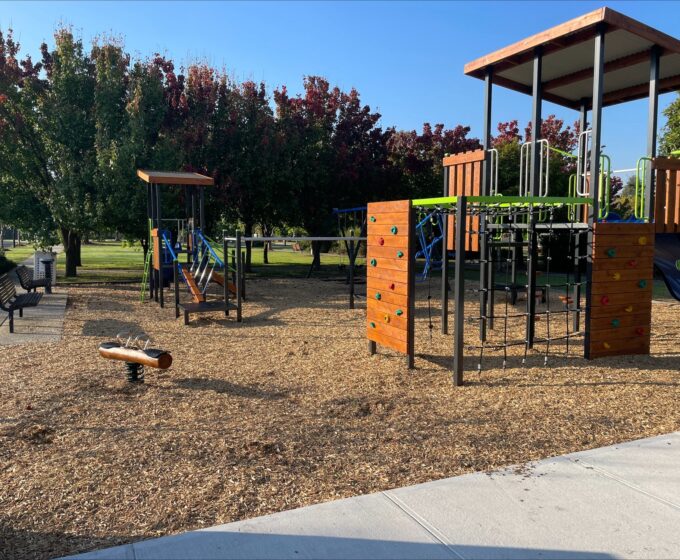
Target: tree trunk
[(316, 253), (144, 242), (249, 246), (69, 240), (79, 243), (266, 233)]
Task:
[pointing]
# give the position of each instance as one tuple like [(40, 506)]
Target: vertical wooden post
[(445, 259)]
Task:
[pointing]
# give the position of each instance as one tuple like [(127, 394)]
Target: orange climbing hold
[(616, 276), (606, 345), (642, 240), (629, 309)]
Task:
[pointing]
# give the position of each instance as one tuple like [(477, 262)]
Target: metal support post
[(459, 293)]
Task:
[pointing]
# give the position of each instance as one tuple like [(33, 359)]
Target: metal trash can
[(43, 263)]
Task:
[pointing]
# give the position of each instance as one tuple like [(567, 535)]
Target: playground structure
[(605, 300), (203, 266)]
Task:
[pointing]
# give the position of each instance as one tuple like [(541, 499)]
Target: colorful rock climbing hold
[(606, 345), (400, 254), (374, 262), (640, 331), (616, 323), (642, 284), (394, 230), (391, 286), (642, 240), (373, 218), (386, 318), (381, 241), (632, 263), (629, 309), (378, 296), (611, 253), (604, 300), (399, 312), (372, 325), (616, 276)]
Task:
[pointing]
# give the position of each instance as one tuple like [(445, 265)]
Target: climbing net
[(534, 248)]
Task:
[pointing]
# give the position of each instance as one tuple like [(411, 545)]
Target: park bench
[(10, 301), (29, 283)]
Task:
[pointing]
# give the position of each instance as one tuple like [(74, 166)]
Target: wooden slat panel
[(624, 320), (660, 199), (663, 164), (391, 218), (622, 333), (621, 310), (624, 287), (618, 347), (622, 252), (399, 301), (395, 241), (393, 275), (386, 285), (622, 240), (613, 276), (385, 230), (615, 228), (389, 330), (383, 252), (633, 299), (671, 202), (676, 214), (389, 206), (462, 158), (381, 338), (388, 264), (377, 316), (642, 263)]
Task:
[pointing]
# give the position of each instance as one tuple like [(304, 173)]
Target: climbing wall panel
[(389, 274), (465, 179), (620, 290)]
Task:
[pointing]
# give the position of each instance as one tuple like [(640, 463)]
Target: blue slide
[(667, 261)]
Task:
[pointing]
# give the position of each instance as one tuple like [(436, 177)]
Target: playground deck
[(287, 409)]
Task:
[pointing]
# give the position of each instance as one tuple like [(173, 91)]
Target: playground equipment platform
[(621, 501)]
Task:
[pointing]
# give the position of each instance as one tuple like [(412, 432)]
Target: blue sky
[(405, 58)]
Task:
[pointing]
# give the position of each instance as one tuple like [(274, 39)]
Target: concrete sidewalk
[(615, 502)]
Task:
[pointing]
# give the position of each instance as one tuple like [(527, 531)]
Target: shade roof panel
[(568, 52), (174, 178)]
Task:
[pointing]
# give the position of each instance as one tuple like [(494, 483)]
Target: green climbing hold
[(400, 254), (611, 253), (394, 230), (616, 323), (374, 262), (373, 218), (372, 325), (377, 295), (642, 283), (399, 312)]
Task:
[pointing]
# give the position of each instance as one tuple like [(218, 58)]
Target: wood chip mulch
[(284, 410)]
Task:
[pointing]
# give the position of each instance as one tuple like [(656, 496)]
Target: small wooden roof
[(568, 49), (174, 177)]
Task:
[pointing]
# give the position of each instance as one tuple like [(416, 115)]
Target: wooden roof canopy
[(567, 52), (174, 178)]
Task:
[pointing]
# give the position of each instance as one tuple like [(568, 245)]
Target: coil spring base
[(135, 372)]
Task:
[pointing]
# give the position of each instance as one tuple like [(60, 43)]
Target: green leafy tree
[(670, 135)]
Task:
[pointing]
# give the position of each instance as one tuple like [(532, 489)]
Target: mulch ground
[(284, 410)]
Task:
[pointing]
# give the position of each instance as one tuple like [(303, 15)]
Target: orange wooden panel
[(387, 241), (616, 228), (388, 264), (641, 239), (388, 218), (389, 330), (633, 298), (624, 287), (385, 230), (156, 252), (387, 285), (642, 263), (400, 276), (626, 333), (381, 338), (383, 252), (619, 347), (664, 164), (614, 276), (626, 251), (386, 317), (398, 300), (388, 206), (660, 199), (462, 158), (621, 310), (624, 320), (671, 202)]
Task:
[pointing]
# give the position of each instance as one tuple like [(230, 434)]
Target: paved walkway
[(615, 502), (43, 323)]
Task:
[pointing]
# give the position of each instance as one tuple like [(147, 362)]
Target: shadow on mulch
[(16, 543), (109, 327), (222, 386)]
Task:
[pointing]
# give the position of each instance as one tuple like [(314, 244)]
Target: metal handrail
[(640, 188), (493, 172), (544, 169)]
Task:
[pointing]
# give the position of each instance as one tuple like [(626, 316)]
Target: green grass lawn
[(105, 261), (19, 253)]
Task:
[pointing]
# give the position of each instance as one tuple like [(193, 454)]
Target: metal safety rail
[(206, 264)]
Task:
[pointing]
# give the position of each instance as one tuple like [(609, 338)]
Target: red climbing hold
[(640, 331), (381, 241), (391, 286), (604, 300), (632, 263)]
